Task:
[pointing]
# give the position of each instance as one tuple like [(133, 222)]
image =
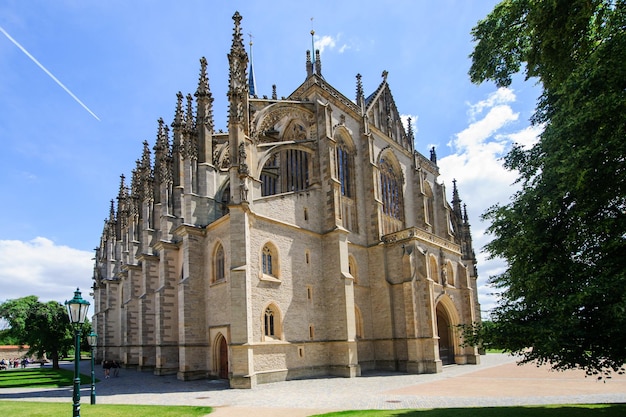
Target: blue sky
[(83, 83)]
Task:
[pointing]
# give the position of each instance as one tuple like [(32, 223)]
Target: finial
[(238, 90), (410, 129), (359, 88), (203, 81), (318, 63), (189, 117), (204, 98), (274, 96), (122, 187), (433, 155), (145, 157), (237, 18), (384, 75), (178, 114), (309, 64)]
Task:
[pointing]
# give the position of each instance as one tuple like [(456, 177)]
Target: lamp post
[(93, 341), (77, 312)]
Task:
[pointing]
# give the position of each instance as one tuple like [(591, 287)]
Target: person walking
[(106, 365)]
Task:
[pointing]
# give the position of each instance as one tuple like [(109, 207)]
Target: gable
[(383, 115)]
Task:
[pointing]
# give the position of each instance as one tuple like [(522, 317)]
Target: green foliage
[(563, 235), (44, 327), (6, 338), (47, 409)]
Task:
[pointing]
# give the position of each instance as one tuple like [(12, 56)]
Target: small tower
[(204, 116)]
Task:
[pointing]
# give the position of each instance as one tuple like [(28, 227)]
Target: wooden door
[(223, 359)]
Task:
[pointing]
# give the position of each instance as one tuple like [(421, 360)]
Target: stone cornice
[(414, 233), (189, 229)]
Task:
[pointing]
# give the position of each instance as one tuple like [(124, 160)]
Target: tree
[(563, 235), (44, 327)]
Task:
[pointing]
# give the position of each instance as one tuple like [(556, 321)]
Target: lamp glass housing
[(77, 308), (92, 338)]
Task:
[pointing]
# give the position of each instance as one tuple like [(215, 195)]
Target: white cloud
[(476, 164), (499, 97), (527, 137), (42, 268), (327, 41)]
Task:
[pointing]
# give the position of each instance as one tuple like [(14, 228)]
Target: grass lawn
[(39, 378), (567, 410), (43, 409)]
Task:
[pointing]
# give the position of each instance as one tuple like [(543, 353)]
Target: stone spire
[(456, 201), (190, 149), (410, 133), (251, 79), (204, 115), (238, 127), (309, 64), (112, 211), (178, 143), (162, 156), (122, 206), (433, 155), (360, 96), (238, 84), (145, 171), (318, 63), (467, 246)]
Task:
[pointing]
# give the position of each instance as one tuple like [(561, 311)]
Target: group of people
[(13, 363), (108, 365)]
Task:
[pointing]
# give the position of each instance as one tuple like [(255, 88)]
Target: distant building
[(310, 239)]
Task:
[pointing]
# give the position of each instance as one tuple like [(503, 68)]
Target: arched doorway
[(444, 331), (222, 357)]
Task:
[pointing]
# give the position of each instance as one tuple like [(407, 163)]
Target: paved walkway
[(497, 381)]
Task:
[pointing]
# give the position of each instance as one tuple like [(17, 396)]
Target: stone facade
[(310, 239)]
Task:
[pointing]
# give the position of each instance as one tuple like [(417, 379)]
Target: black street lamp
[(93, 341), (77, 311)]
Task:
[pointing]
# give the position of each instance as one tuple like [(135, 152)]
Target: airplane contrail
[(67, 90)]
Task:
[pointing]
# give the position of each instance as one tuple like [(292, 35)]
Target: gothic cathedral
[(309, 239)]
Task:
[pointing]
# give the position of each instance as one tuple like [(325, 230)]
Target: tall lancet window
[(286, 171), (344, 169), (267, 261), (219, 264), (391, 194)]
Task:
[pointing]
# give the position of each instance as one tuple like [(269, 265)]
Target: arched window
[(270, 265), (272, 328), (391, 190), (352, 269), (219, 264), (448, 274), (286, 171), (269, 176), (344, 169), (434, 271), (429, 212), (267, 261)]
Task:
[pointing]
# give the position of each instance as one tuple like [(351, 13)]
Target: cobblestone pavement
[(497, 381)]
